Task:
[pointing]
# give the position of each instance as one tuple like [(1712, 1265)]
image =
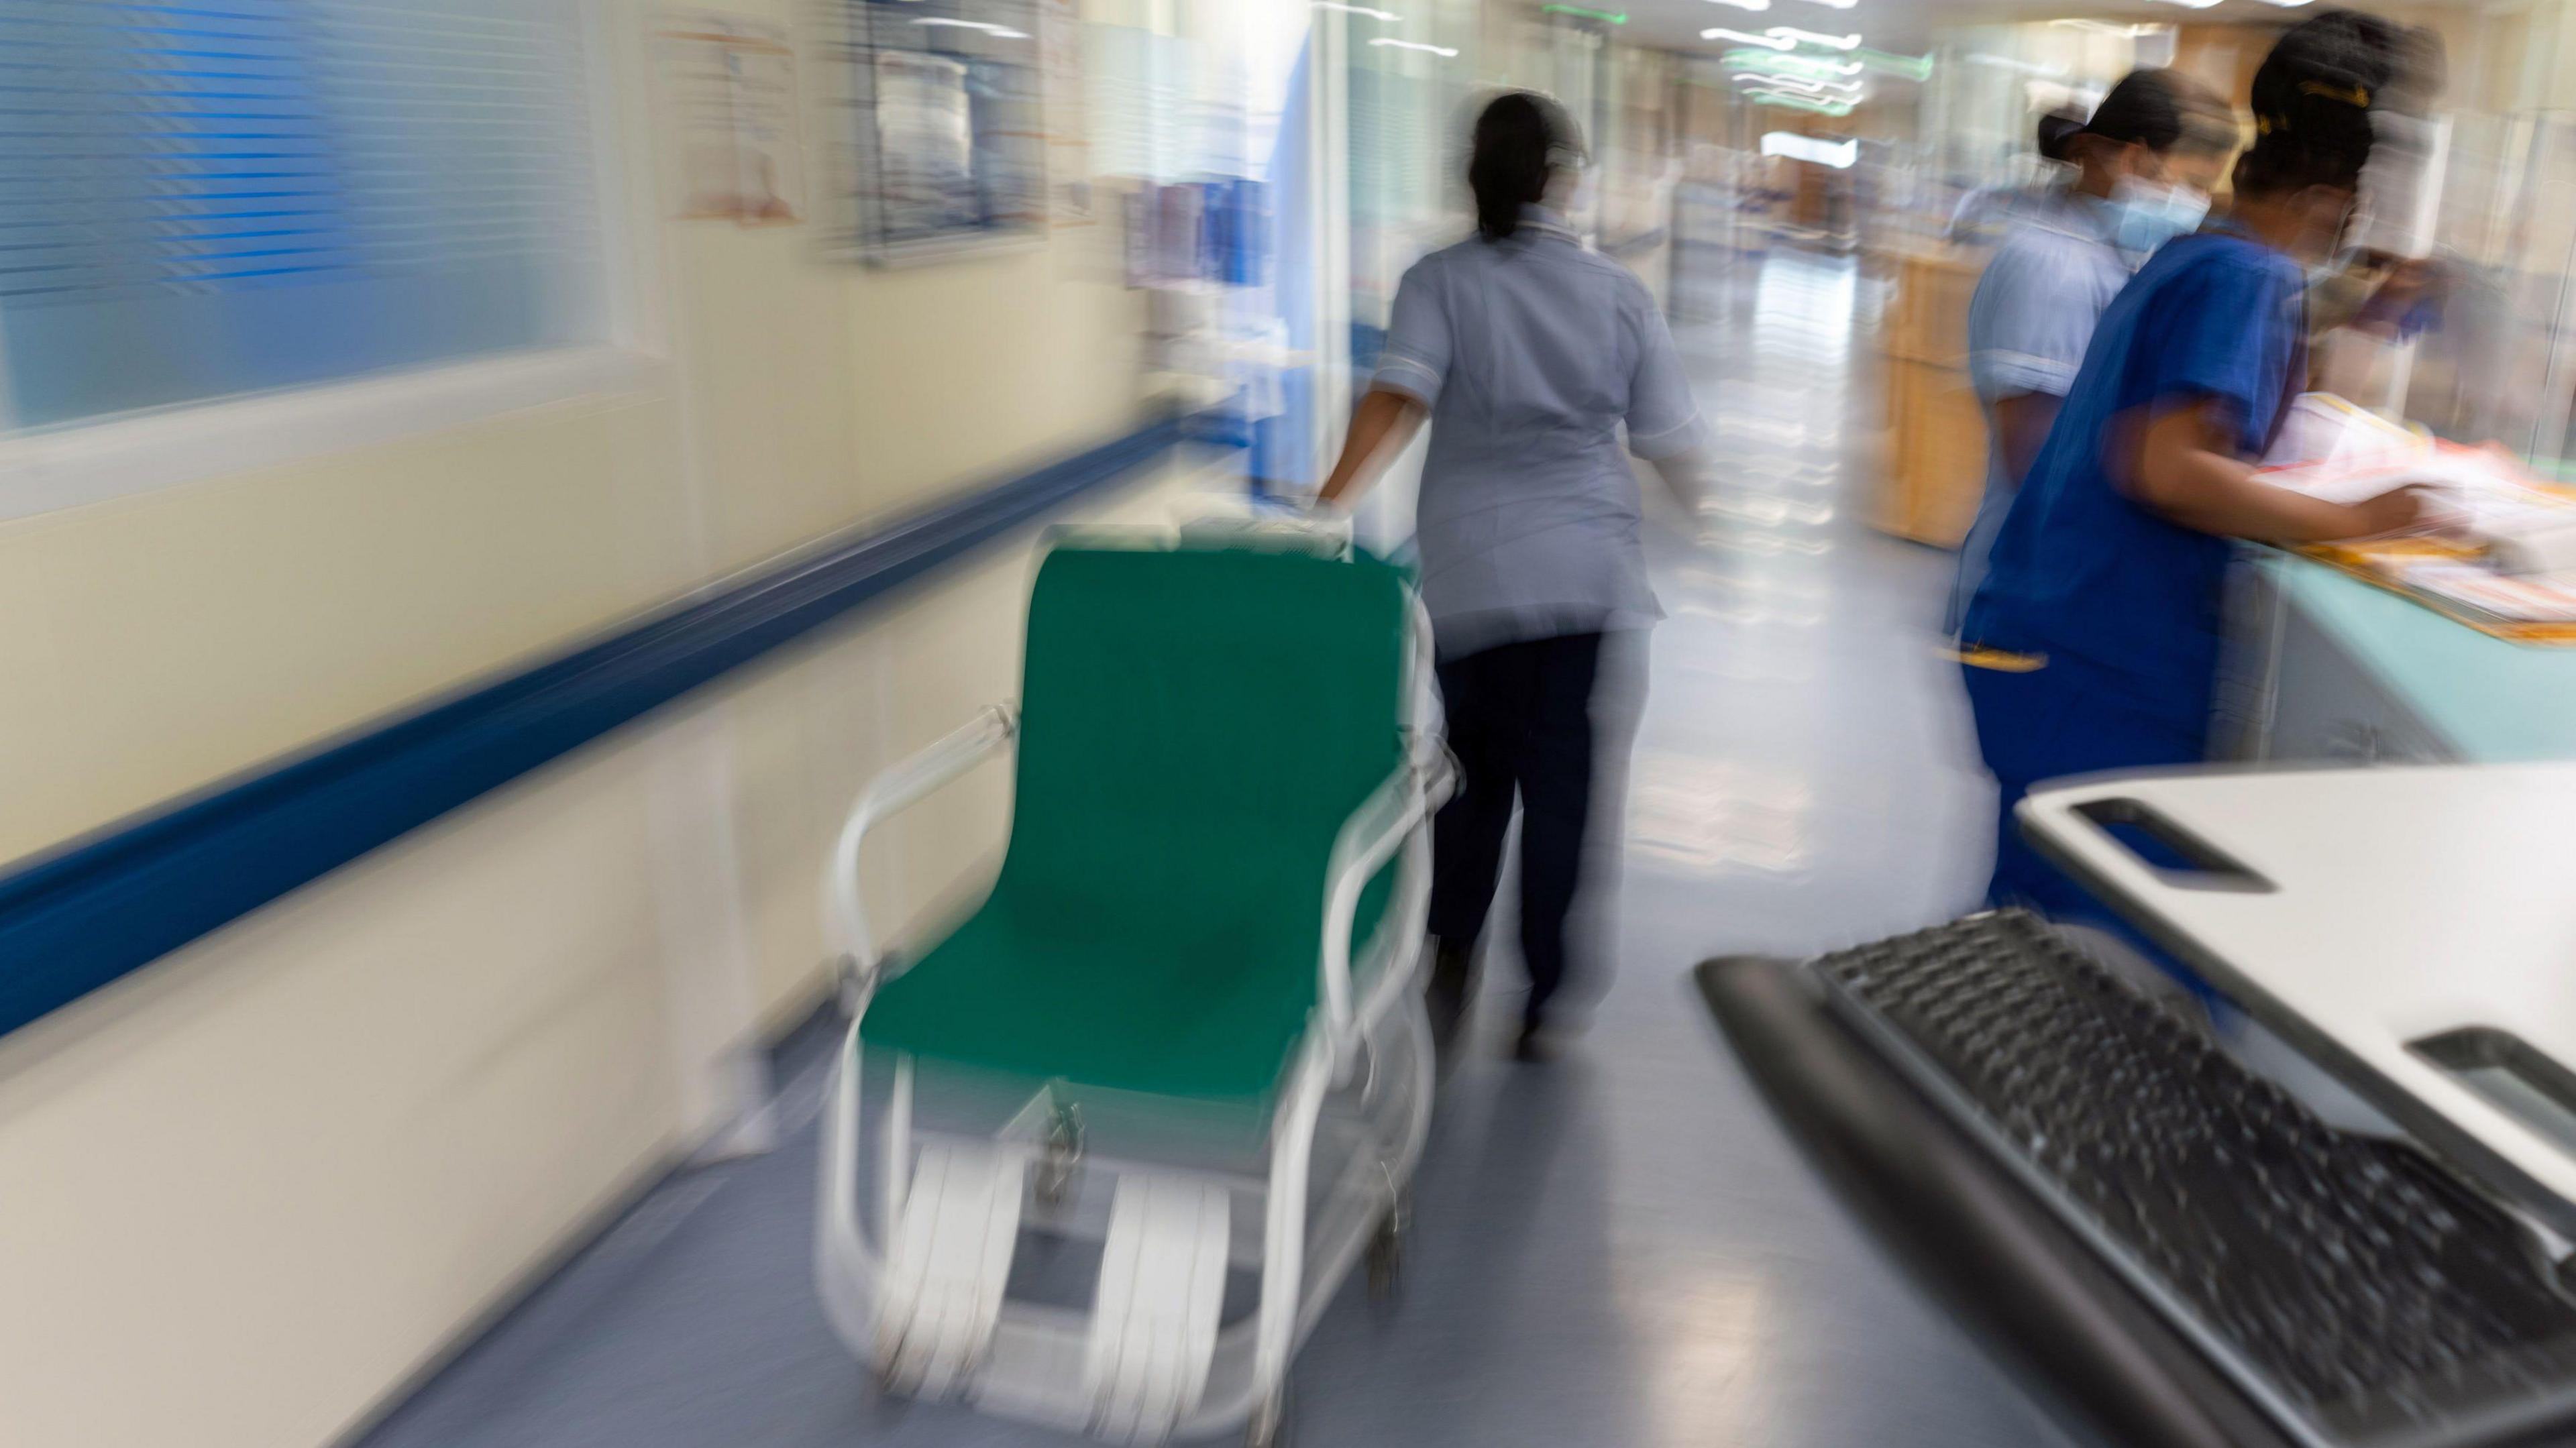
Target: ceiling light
[(2191, 4), (2026, 67), (1389, 16), (1802, 103), (1722, 33), (1848, 90), (1744, 4), (1847, 4), (2105, 27), (1764, 60), (1439, 50), (1837, 154), (998, 32), (1795, 36), (1911, 67)]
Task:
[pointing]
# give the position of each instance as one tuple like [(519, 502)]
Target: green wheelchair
[(1182, 1035)]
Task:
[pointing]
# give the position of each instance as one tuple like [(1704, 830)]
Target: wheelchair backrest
[(1197, 724)]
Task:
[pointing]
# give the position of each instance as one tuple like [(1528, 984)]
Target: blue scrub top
[(2079, 572)]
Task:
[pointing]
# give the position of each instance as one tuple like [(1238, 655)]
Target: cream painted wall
[(826, 392), (164, 640), (254, 1188), (248, 1191), (160, 641)]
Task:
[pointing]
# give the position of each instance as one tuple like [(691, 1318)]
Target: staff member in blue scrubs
[(2145, 164), (2093, 643)]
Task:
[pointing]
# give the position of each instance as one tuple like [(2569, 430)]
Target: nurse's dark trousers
[(1520, 722)]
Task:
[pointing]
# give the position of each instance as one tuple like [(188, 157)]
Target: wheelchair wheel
[(1386, 1244), (1269, 1425), (1386, 1257)]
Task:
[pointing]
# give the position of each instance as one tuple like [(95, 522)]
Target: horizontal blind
[(198, 200)]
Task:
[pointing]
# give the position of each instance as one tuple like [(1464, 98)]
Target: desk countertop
[(2396, 904)]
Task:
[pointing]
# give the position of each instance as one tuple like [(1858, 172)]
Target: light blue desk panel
[(2491, 700)]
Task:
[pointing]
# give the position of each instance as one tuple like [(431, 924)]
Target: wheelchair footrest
[(1154, 1324), (950, 1261)]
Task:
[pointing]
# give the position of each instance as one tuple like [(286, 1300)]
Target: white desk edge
[(2370, 868)]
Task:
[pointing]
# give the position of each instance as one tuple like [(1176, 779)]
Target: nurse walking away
[(2093, 642), (1528, 354), (2145, 165)]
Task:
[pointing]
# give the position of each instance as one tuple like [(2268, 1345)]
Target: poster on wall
[(731, 88), (946, 126), (925, 144), (1068, 148)]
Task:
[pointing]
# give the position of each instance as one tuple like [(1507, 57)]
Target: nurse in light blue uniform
[(1540, 367), (2145, 164), (2093, 643)]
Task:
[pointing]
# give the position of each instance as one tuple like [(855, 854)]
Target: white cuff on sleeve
[(1397, 373)]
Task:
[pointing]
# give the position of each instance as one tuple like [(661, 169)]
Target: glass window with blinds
[(202, 200)]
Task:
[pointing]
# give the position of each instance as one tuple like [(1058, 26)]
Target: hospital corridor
[(1674, 1275), (905, 723)]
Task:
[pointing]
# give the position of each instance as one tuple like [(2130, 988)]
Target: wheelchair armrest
[(895, 788), (1368, 839)]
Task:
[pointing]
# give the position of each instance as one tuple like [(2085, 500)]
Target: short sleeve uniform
[(2029, 323), (1544, 366)]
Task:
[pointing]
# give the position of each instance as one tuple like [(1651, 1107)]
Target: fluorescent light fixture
[(1911, 67), (1389, 16), (1766, 61), (1439, 50), (1795, 36), (2105, 27), (1801, 103), (1847, 90), (1837, 154), (1778, 84), (998, 32), (2286, 4), (1722, 33), (2190, 4), (1847, 4), (2026, 67), (1744, 4)]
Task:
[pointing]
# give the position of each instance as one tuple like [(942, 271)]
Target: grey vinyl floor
[(1616, 1248)]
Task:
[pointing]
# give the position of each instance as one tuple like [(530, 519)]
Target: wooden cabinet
[(1936, 445)]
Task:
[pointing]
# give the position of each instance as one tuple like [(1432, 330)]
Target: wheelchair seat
[(1196, 728)]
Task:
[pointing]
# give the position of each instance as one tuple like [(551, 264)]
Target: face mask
[(2146, 215), (2327, 267)]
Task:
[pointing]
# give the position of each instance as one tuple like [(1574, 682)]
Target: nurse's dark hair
[(2162, 110), (2057, 132), (1519, 139), (2313, 97)]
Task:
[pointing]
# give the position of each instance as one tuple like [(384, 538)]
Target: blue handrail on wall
[(82, 916)]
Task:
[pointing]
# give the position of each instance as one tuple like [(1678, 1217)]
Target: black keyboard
[(2351, 1285)]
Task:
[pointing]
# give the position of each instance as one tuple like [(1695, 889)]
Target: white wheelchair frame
[(1151, 1361)]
